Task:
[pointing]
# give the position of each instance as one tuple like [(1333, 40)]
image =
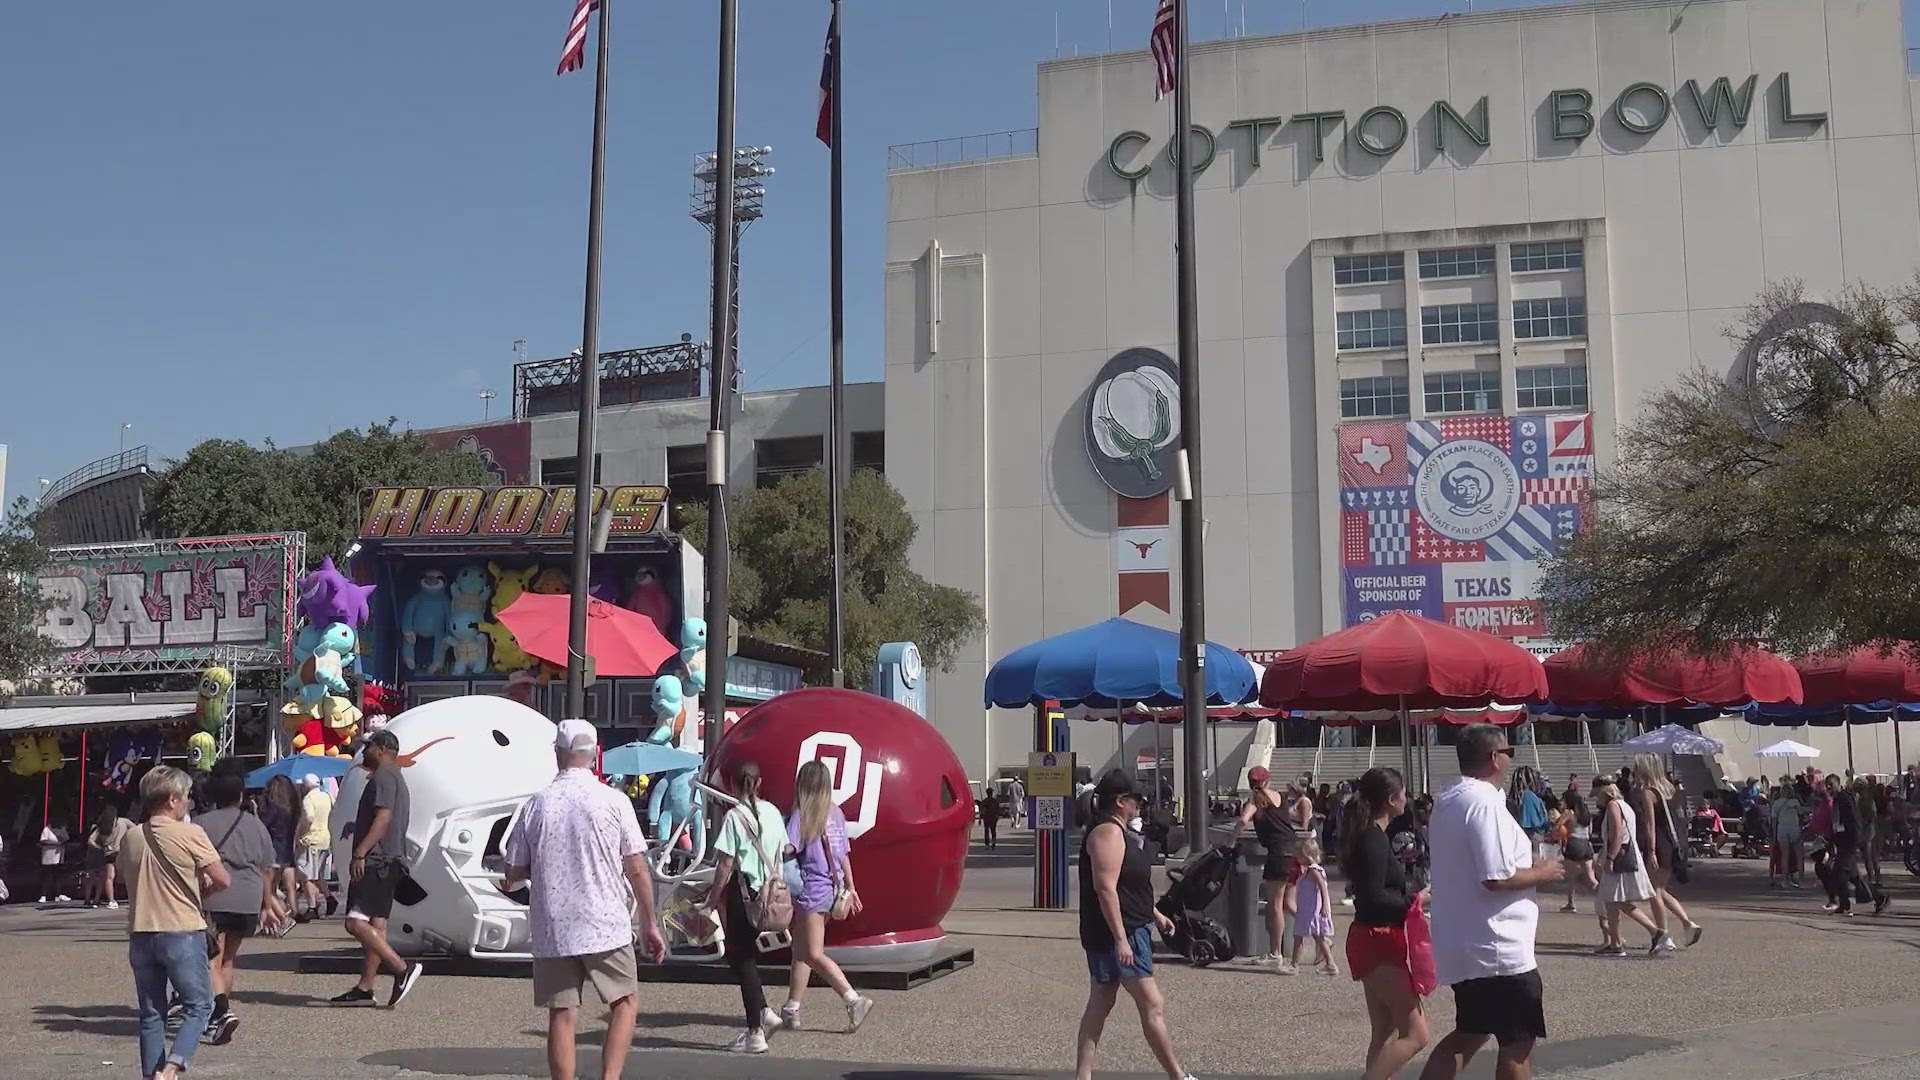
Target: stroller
[(1193, 888)]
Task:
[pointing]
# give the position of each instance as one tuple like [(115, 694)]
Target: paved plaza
[(1776, 989)]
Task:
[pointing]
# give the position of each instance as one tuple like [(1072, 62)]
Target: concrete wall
[(1010, 282)]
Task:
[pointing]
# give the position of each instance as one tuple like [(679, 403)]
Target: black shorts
[(1279, 865), (1507, 1007), (372, 896), (232, 922)]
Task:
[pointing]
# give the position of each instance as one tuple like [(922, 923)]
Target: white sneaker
[(789, 1016), (63, 898), (1287, 967), (750, 1041), (857, 1011), (113, 905), (770, 1021), (49, 900), (1328, 969)]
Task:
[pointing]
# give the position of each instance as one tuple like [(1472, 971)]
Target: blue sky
[(252, 220)]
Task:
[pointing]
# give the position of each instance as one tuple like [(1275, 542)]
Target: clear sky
[(252, 220)]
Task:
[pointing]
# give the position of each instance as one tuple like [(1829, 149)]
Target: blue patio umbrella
[(299, 765), (1110, 664), (645, 759)]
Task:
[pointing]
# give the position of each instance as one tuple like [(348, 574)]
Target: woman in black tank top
[(1274, 824), (1117, 918)]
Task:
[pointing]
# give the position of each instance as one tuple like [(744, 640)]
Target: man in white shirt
[(1483, 878), (580, 844)]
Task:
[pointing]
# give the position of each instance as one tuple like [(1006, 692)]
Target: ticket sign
[(1049, 773), (507, 513)]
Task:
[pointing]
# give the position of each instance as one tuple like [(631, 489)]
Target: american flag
[(823, 127), (1164, 47), (573, 56)]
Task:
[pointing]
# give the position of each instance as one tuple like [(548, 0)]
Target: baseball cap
[(384, 739), (1257, 775), (575, 735), (310, 780)]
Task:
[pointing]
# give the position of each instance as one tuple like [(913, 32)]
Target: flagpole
[(1193, 609), (720, 372), (837, 404), (589, 374)]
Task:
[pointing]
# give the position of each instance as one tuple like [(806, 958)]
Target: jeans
[(158, 959)]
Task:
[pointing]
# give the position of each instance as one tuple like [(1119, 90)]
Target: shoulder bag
[(173, 872), (770, 909), (842, 903), (1627, 859), (1682, 863)]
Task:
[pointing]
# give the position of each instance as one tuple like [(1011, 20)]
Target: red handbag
[(1420, 950)]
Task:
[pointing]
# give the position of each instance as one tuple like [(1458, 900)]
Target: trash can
[(1238, 908)]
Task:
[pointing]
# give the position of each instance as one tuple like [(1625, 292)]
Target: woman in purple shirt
[(818, 832)]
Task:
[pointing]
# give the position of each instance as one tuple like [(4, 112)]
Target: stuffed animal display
[(326, 596), (425, 620), (216, 688), (468, 647), (508, 585), (648, 597), (202, 751), (124, 755), (693, 652), (507, 654), (35, 754), (324, 719), (551, 581)]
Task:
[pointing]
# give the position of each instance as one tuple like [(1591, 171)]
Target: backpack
[(771, 909)]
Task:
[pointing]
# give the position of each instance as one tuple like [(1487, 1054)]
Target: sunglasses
[(1507, 750)]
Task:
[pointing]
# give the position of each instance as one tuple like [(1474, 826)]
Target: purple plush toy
[(326, 596)]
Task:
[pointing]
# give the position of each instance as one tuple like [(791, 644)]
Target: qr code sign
[(1049, 812)]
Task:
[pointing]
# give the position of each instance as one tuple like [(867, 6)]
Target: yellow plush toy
[(26, 756), (509, 584), (507, 654), (216, 683), (201, 751)]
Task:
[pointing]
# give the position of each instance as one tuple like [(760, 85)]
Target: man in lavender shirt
[(580, 845)]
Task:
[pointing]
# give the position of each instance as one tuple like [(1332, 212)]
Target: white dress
[(1622, 888)]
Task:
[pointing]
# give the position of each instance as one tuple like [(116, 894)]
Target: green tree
[(23, 651), (780, 575), (1779, 502), (225, 486)]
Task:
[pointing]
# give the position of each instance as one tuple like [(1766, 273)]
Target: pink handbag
[(1420, 950)]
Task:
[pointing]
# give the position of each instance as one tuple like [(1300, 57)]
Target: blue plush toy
[(668, 700), (469, 648), (468, 595), (427, 616), (693, 652)]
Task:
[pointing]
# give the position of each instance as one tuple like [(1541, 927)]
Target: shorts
[(372, 896), (560, 982), (1281, 866), (97, 858), (1369, 947), (232, 922), (314, 864), (1104, 964), (1507, 1007)]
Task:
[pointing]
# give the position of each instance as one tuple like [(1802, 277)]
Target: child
[(1315, 909)]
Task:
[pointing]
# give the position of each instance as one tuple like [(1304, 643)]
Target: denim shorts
[(1104, 964)]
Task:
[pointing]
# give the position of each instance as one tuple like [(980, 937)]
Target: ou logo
[(852, 775)]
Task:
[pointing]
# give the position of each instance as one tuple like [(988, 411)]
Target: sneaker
[(63, 898), (1693, 934), (1662, 942), (1285, 966), (769, 1021), (1880, 903), (353, 996), (1829, 907), (1568, 907), (46, 900), (857, 1011), (113, 905), (220, 1030), (332, 906), (403, 984), (789, 1016), (1329, 969), (1610, 950), (750, 1041), (1795, 883)]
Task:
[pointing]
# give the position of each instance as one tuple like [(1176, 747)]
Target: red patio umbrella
[(1746, 674), (1860, 677), (621, 642), (1402, 661)]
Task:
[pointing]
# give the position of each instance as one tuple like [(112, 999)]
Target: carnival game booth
[(445, 562)]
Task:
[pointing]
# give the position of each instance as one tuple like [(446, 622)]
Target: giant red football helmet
[(903, 792)]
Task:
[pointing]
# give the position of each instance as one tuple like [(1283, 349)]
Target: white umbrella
[(1787, 748), (1673, 739)]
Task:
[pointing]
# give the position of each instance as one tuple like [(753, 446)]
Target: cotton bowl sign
[(172, 605)]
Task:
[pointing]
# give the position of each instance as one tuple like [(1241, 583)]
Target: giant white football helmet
[(469, 763)]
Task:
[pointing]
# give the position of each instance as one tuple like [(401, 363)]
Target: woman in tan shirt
[(167, 864)]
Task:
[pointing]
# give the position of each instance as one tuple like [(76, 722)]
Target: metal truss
[(543, 387)]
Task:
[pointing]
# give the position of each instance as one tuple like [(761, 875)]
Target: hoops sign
[(852, 775)]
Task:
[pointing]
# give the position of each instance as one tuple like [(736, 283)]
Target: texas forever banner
[(1452, 518)]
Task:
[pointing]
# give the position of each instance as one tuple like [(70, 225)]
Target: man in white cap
[(580, 845), (313, 851)]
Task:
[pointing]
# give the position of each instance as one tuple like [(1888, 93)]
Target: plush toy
[(507, 654), (51, 759), (669, 705), (693, 652), (426, 619), (508, 585), (123, 753), (649, 597), (26, 756), (468, 647), (202, 751), (552, 581), (670, 802), (468, 594), (216, 683), (605, 585), (305, 733), (323, 672), (326, 596), (339, 723)]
